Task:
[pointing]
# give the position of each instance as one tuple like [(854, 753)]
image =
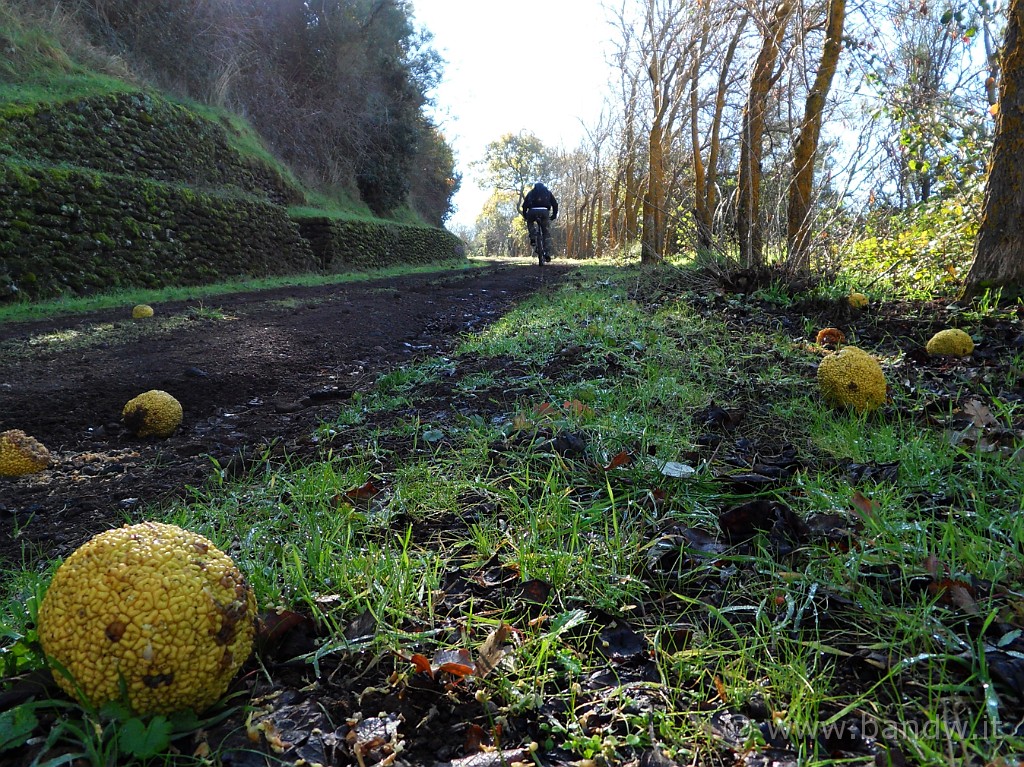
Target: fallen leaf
[(544, 409), (576, 407), (455, 662), (421, 663), (492, 650), (979, 414), (624, 458), (864, 507), (677, 470), (364, 492)]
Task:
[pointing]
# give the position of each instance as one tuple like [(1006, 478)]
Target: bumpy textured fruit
[(151, 606), (858, 300), (21, 454), (142, 311), (853, 378), (951, 341), (154, 413)]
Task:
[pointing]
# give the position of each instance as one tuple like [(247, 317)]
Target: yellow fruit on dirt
[(857, 300), (952, 341), (155, 608), (142, 311), (154, 413), (851, 377), (21, 454)]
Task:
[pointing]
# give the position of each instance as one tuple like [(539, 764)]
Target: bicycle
[(536, 230)]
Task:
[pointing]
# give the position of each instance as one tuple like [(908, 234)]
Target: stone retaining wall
[(129, 190)]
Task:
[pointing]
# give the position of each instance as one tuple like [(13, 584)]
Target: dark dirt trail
[(250, 370)]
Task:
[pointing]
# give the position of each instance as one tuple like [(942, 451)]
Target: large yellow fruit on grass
[(142, 311), (155, 607), (154, 413), (857, 300), (21, 454), (851, 377), (952, 341)]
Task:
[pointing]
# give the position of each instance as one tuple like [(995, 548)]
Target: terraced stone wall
[(138, 134), (341, 245), (130, 190), (69, 230)]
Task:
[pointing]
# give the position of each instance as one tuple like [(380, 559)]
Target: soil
[(251, 370)]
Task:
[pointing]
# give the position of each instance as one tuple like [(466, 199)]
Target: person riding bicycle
[(540, 208)]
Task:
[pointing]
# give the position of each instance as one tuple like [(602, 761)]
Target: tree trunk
[(805, 151), (999, 247), (762, 77), (705, 186)]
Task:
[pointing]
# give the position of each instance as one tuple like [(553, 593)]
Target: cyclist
[(540, 208)]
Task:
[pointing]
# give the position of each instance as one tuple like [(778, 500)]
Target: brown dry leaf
[(455, 662), (979, 413), (864, 507), (723, 694), (421, 663), (957, 593), (576, 407), (364, 492), (492, 650), (544, 409), (624, 458)]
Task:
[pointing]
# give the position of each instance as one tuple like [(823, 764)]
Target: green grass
[(863, 625)]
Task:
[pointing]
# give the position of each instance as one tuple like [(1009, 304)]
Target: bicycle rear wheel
[(538, 242)]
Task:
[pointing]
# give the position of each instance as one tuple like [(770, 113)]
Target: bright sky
[(493, 48)]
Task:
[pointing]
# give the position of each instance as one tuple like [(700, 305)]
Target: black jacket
[(540, 197)]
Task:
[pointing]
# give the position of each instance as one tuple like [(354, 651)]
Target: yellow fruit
[(852, 377), (151, 606), (154, 413), (21, 454), (858, 300), (952, 341), (142, 311)]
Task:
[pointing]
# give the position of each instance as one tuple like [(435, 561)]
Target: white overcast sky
[(491, 48)]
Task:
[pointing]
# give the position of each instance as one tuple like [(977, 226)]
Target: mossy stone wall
[(69, 230), (129, 190), (342, 245), (138, 134)]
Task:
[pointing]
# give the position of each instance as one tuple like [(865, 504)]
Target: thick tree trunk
[(654, 200), (999, 247), (762, 77), (805, 151)]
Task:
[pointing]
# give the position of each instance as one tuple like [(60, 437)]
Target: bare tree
[(706, 174), (805, 150), (658, 44), (762, 77)]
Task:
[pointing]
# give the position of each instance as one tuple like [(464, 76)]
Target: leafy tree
[(515, 162)]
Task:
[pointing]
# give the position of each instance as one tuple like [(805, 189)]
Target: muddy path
[(253, 371)]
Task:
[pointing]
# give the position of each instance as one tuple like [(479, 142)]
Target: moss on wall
[(138, 134), (130, 190), (69, 230), (342, 245)]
